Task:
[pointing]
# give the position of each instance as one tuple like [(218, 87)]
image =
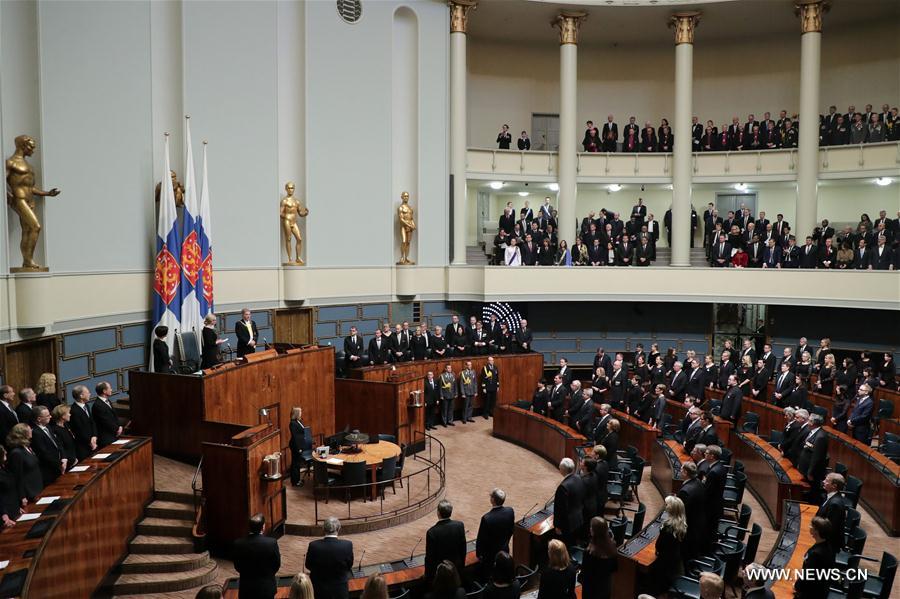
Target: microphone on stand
[(528, 513), (359, 569), (413, 552), (265, 343)]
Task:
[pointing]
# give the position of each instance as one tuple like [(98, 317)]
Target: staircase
[(162, 557), (475, 256), (664, 257)]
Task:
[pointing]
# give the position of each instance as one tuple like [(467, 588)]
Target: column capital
[(810, 13), (568, 22), (459, 14), (684, 24)]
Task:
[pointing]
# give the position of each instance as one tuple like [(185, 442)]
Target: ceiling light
[(614, 187), (523, 193), (883, 181), (496, 184), (740, 186), (553, 187)]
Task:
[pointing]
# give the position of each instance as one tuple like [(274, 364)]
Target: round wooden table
[(373, 454)]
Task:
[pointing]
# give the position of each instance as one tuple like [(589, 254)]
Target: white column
[(568, 23), (808, 137), (458, 18), (684, 24)]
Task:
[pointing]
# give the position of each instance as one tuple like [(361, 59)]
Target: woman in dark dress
[(654, 352), (745, 375), (598, 563), (846, 376), (23, 464), (825, 384), (840, 411), (546, 254), (59, 427), (887, 373), (600, 385), (670, 359), (503, 583), (446, 583), (658, 372), (805, 366), (211, 342), (558, 578), (10, 508), (641, 369), (46, 391), (668, 564)]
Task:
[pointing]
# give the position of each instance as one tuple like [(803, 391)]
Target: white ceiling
[(632, 22)]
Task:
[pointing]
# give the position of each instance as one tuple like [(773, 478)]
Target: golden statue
[(20, 197), (177, 186), (407, 226), (290, 210)]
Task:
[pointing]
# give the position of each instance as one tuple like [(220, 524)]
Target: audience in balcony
[(504, 138), (523, 142)]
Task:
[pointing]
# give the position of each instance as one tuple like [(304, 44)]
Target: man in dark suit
[(714, 484), (353, 349), (678, 384), (490, 384), (610, 134), (801, 430), (814, 457), (696, 134), (494, 532), (769, 358), (862, 256), (379, 349), (401, 343), (247, 334), (818, 558), (625, 253), (707, 434), (108, 429), (834, 509), (809, 254), (330, 561), (721, 253), (257, 560), (557, 400), (8, 416), (27, 403), (523, 337), (446, 540), (860, 421), (432, 401), (82, 424), (618, 381), (882, 257), (568, 507), (456, 336), (784, 384), (162, 361), (731, 403), (694, 387), (726, 369), (46, 448), (693, 495)]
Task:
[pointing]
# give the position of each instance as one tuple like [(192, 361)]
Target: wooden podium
[(235, 485)]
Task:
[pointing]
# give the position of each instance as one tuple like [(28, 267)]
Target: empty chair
[(752, 544), (353, 473), (388, 438), (637, 523), (750, 424), (476, 591), (840, 469), (617, 528), (618, 484), (404, 594), (400, 461), (775, 437), (743, 519), (637, 474), (734, 489), (856, 542), (853, 489), (525, 575), (738, 466), (322, 479), (823, 412), (885, 409), (733, 556), (726, 455), (715, 406), (387, 474), (890, 448), (879, 587), (891, 438)]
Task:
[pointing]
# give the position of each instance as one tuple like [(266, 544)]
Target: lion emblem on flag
[(166, 275)]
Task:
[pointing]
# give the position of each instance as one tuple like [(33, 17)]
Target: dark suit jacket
[(25, 412), (26, 469), (106, 421), (494, 532), (715, 488), (379, 356), (819, 557), (66, 441), (8, 419), (796, 446), (301, 437), (523, 336), (557, 402), (46, 448), (243, 338), (257, 560), (353, 349), (814, 456), (731, 404), (835, 510), (568, 508), (693, 495), (48, 400), (330, 561), (445, 540), (209, 356), (162, 361), (83, 428)]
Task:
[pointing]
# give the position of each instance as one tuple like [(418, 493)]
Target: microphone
[(265, 343), (528, 513), (413, 552), (359, 569)]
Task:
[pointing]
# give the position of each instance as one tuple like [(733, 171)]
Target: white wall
[(508, 82)]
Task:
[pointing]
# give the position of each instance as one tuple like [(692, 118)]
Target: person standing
[(247, 334), (210, 354), (301, 445), (64, 437), (468, 387), (490, 384), (46, 447), (598, 562), (818, 558), (432, 401), (24, 464), (8, 416), (108, 428), (162, 361), (504, 138), (446, 540), (568, 503), (523, 142), (860, 421), (669, 562), (558, 579), (330, 561), (353, 349), (257, 560), (494, 532), (448, 394), (82, 424)]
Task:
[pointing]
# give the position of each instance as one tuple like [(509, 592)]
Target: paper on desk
[(79, 468), (100, 456), (121, 442), (27, 517), (334, 461), (4, 563), (47, 500)]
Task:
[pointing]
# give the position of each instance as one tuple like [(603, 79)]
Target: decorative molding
[(459, 14), (684, 24), (568, 22), (810, 13)]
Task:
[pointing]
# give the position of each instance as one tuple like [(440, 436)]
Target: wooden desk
[(90, 533), (531, 536), (880, 476), (544, 436), (770, 476), (381, 407), (634, 559), (676, 410), (373, 454), (183, 411), (771, 417), (665, 465), (793, 542), (724, 430), (636, 432)]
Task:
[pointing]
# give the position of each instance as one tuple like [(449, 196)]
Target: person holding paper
[(211, 342)]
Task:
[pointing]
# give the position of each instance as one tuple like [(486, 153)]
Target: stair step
[(150, 563), (163, 582), (177, 496), (156, 544), (165, 527), (175, 510)]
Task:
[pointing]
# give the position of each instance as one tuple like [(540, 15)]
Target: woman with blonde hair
[(558, 580), (301, 587), (669, 565), (64, 436), (376, 588), (210, 354), (46, 391), (825, 384), (23, 464)]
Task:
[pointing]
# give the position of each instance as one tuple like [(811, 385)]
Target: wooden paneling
[(665, 465), (368, 406), (635, 432), (91, 533), (24, 362), (181, 412), (294, 326), (796, 543), (771, 480), (544, 436)]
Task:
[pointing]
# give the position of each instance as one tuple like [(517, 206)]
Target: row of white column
[(684, 23)]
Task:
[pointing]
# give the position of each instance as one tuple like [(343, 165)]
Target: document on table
[(121, 442), (27, 517), (3, 564), (47, 500), (79, 468), (334, 462), (100, 456)]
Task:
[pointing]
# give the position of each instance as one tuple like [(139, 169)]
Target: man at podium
[(247, 334)]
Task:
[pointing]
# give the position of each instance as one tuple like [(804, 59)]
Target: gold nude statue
[(20, 195), (407, 226), (177, 186), (291, 210)]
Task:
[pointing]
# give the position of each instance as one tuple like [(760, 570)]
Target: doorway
[(544, 132), (726, 202)]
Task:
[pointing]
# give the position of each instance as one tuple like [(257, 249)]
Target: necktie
[(52, 440)]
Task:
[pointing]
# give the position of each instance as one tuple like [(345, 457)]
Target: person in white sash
[(511, 255)]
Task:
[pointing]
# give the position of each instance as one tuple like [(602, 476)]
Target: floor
[(476, 463)]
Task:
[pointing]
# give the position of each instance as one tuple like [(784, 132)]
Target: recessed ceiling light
[(614, 187), (740, 186), (523, 193), (883, 181), (553, 187), (496, 185)]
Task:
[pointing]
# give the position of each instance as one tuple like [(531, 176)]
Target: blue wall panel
[(365, 327), (82, 343), (325, 329), (329, 313), (375, 311), (75, 368), (123, 358), (135, 334)]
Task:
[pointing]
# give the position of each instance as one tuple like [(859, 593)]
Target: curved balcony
[(835, 162)]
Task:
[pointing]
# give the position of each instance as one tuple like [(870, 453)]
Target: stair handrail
[(197, 530)]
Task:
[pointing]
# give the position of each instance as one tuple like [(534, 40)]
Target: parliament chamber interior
[(504, 298)]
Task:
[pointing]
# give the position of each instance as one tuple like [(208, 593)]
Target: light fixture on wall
[(740, 186), (523, 194), (614, 187), (883, 181), (670, 187), (553, 187), (496, 184)]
